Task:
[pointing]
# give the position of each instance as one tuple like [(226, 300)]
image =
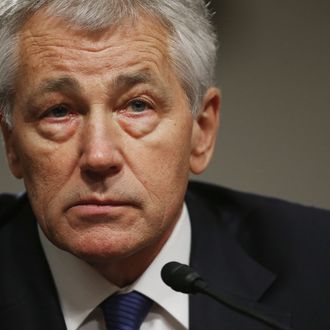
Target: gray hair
[(192, 46)]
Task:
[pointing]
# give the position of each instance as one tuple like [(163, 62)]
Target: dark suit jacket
[(265, 253)]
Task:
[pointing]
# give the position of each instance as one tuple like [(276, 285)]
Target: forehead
[(53, 43)]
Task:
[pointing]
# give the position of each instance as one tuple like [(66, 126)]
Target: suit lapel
[(227, 269), (30, 297)]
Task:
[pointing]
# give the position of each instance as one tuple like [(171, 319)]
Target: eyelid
[(47, 112), (143, 100), (149, 103)]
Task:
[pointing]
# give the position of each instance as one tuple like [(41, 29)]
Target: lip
[(100, 202), (99, 209)]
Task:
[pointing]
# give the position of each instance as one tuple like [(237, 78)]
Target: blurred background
[(274, 74)]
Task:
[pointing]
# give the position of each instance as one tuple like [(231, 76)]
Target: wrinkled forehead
[(42, 32)]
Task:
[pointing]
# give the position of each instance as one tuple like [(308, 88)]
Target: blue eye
[(139, 106), (59, 111)]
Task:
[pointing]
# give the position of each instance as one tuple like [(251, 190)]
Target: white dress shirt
[(81, 288)]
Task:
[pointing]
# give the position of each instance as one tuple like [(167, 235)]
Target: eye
[(58, 111), (138, 106)]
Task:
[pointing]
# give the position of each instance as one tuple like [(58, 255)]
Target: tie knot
[(125, 311)]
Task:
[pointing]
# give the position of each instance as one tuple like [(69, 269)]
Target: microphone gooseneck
[(185, 279)]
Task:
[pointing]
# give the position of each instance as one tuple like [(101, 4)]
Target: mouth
[(99, 209), (100, 202)]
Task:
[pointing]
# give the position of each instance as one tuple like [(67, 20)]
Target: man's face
[(102, 136)]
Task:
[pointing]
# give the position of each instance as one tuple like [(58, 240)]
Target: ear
[(11, 152), (204, 133)]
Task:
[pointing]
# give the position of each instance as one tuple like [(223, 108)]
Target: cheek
[(174, 148), (45, 166), (161, 161)]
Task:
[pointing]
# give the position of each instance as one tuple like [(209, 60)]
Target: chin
[(95, 248)]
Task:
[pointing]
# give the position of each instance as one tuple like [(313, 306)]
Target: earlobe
[(204, 133), (12, 157)]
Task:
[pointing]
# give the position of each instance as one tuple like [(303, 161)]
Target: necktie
[(125, 311)]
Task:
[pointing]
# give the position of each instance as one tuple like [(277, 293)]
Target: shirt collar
[(81, 288)]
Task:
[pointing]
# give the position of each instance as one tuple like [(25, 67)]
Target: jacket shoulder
[(266, 226), (243, 203)]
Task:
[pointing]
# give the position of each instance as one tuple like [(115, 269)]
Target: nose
[(100, 147)]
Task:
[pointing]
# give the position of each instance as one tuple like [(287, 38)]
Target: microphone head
[(181, 277)]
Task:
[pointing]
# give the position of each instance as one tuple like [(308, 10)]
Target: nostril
[(97, 175)]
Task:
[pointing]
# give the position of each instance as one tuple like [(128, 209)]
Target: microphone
[(185, 279)]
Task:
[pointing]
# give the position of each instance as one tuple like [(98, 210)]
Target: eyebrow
[(131, 79), (61, 84), (124, 81)]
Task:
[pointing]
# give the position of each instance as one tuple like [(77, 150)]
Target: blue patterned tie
[(125, 311)]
